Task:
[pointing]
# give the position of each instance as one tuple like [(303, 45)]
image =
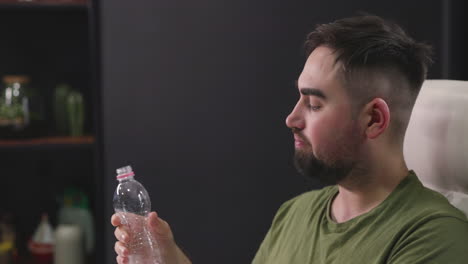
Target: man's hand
[(161, 232)]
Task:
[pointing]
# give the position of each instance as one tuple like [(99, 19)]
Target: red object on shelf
[(41, 253), (41, 245)]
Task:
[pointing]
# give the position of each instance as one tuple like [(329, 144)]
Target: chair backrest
[(436, 142)]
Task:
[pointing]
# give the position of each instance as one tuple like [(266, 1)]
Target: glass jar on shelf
[(19, 107)]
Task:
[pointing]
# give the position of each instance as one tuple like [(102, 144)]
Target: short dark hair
[(368, 45)]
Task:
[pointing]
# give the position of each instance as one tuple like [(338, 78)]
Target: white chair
[(436, 142)]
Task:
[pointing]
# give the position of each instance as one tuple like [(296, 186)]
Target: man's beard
[(336, 164), (308, 165)]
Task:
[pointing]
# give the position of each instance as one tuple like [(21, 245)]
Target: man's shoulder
[(429, 204), (411, 201), (317, 195), (438, 236), (291, 213), (309, 200), (423, 218)]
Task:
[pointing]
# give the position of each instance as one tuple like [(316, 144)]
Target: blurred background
[(192, 94)]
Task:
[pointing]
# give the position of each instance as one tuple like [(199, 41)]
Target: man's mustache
[(298, 135)]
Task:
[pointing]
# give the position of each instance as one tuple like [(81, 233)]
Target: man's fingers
[(122, 260), (121, 249), (121, 234), (115, 220)]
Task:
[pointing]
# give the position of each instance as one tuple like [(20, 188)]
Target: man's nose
[(294, 120)]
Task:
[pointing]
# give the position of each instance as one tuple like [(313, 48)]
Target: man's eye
[(314, 107)]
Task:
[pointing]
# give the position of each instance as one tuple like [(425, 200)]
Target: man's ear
[(376, 118)]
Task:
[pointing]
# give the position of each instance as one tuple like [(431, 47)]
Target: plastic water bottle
[(132, 203)]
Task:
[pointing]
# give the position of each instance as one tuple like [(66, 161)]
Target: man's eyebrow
[(312, 91)]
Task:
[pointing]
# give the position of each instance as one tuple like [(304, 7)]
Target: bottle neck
[(126, 179)]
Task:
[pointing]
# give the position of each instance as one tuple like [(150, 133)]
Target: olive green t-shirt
[(412, 225)]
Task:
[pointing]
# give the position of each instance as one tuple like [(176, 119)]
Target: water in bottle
[(132, 204)]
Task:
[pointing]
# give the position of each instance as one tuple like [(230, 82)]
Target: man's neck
[(364, 190)]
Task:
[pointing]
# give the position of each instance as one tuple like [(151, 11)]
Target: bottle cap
[(124, 172)]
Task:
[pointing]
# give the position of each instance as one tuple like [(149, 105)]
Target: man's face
[(327, 136)]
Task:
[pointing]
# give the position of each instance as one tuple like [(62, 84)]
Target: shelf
[(26, 4), (84, 141), (29, 260)]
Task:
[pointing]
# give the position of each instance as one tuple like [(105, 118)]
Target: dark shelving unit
[(52, 42)]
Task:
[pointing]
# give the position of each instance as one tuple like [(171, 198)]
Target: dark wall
[(195, 94), (456, 36)]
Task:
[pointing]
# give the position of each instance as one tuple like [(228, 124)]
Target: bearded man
[(357, 91)]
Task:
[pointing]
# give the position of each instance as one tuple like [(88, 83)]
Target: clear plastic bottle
[(132, 203)]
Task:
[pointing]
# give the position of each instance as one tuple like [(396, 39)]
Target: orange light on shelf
[(45, 2), (47, 141)]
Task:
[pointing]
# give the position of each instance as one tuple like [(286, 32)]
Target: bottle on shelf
[(42, 242), (69, 110)]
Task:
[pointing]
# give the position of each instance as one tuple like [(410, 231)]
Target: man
[(357, 90)]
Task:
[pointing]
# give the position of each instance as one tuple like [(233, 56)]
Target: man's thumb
[(159, 228)]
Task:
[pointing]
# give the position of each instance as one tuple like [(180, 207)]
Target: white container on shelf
[(69, 245)]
